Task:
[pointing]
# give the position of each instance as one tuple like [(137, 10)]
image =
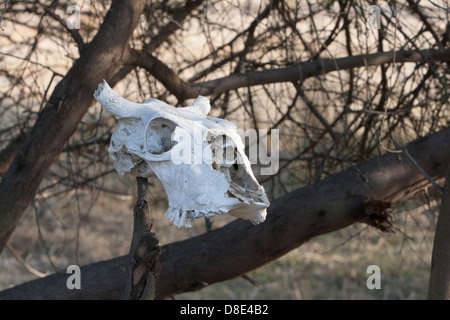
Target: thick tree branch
[(58, 120), (184, 90), (239, 247)]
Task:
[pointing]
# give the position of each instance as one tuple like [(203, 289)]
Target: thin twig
[(253, 282), (41, 237), (351, 237), (3, 12), (73, 32), (27, 59), (24, 263), (438, 6), (403, 149)]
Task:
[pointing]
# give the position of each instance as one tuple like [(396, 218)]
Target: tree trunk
[(439, 285), (67, 105), (354, 195)]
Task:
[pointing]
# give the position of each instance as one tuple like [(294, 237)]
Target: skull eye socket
[(159, 135)]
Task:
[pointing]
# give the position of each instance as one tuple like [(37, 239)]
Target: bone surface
[(200, 160)]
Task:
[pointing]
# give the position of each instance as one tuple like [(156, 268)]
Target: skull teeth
[(184, 218)]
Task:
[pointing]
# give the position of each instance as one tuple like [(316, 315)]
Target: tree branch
[(177, 17), (58, 120), (29, 268), (438, 6), (239, 247), (143, 261), (3, 12), (73, 32), (184, 90)]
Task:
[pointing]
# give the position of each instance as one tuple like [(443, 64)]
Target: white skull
[(199, 160)]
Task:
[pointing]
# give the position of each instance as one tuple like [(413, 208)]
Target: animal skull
[(199, 160)]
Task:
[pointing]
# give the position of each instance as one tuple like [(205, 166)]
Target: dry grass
[(331, 266)]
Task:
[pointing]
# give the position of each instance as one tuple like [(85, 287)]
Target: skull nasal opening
[(159, 135), (227, 159)]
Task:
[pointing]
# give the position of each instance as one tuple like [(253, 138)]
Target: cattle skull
[(200, 160)]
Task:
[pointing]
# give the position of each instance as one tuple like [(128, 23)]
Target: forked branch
[(143, 260)]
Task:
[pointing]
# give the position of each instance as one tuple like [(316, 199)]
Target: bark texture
[(58, 120), (439, 285), (143, 260)]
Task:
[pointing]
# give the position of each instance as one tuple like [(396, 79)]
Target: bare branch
[(73, 32), (183, 90), (175, 24), (438, 6), (29, 268), (3, 12), (143, 260)]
